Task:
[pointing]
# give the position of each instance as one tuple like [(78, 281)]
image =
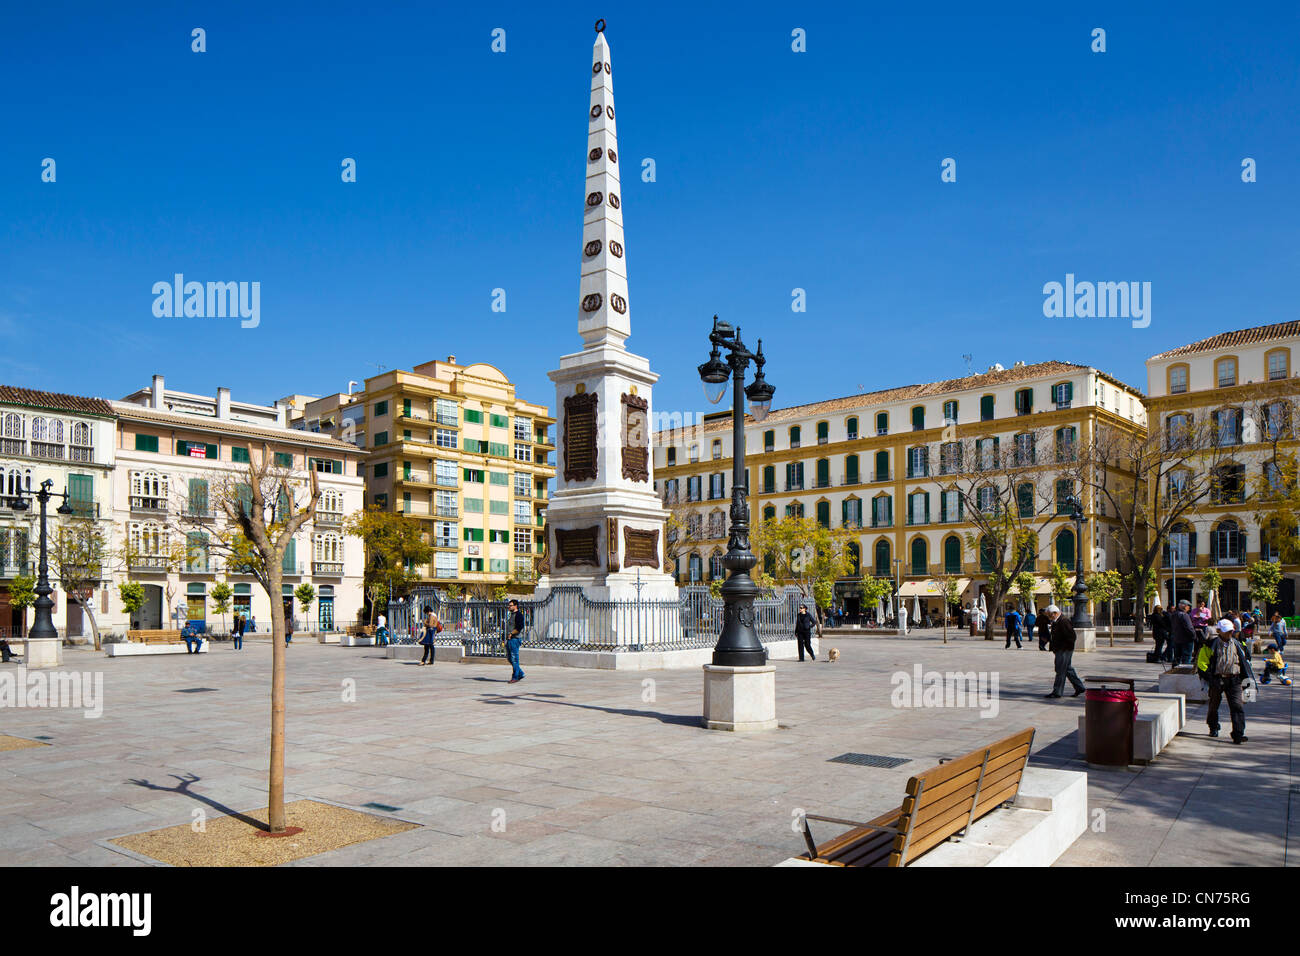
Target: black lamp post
[(43, 627), (1080, 617), (738, 645)]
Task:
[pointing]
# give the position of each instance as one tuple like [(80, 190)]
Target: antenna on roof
[(378, 366), (967, 356)]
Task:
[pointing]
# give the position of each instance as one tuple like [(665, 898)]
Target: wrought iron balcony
[(329, 519), (141, 504), (327, 569)]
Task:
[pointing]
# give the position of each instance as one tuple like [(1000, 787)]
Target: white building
[(172, 447)]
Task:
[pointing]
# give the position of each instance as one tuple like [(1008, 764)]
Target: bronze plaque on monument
[(576, 546), (636, 438), (580, 437), (640, 548)]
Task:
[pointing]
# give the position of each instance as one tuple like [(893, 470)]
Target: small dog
[(834, 654)]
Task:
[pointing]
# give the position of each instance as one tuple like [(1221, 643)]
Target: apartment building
[(886, 464), (66, 439), (174, 451), (1244, 385), (454, 446)]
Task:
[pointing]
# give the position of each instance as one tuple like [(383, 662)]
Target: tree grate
[(195, 690), (870, 760)]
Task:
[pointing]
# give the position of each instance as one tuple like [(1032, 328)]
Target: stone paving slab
[(585, 770)]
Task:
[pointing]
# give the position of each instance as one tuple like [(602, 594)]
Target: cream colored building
[(876, 463), (174, 449), (1230, 382)]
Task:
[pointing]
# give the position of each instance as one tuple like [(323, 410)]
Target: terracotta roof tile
[(12, 394), (129, 410), (1227, 340)]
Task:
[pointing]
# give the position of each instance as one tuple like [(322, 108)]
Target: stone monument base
[(42, 652), (739, 698), (1085, 639)]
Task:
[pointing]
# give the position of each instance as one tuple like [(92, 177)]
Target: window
[(823, 473), (716, 570), (795, 510), (851, 476), (197, 502), (1177, 379), (769, 513), (986, 499), (1228, 484), (950, 413), (882, 466), (1227, 426), (1063, 394), (1180, 547), (473, 534), (282, 459), (672, 456), (851, 513), (1225, 372), (1025, 401), (81, 496), (1065, 549), (81, 449), (289, 563), (769, 479), (716, 449), (696, 568), (855, 559), (1064, 496), (1025, 450), (693, 488), (918, 462), (327, 547), (716, 485), (1277, 419), (794, 476), (498, 421), (986, 449), (918, 418), (497, 536), (447, 412), (851, 428), (1025, 500), (950, 506), (882, 511), (920, 564), (445, 473), (950, 458), (1066, 443), (1227, 544), (502, 450), (882, 423), (523, 512), (498, 507), (444, 564), (883, 569), (986, 408), (523, 485), (473, 564), (1278, 364), (444, 438), (327, 466), (381, 438), (794, 436), (823, 432), (693, 453), (381, 408), (474, 415), (1179, 483), (474, 476), (952, 555), (444, 534), (824, 513), (918, 508), (769, 440), (523, 429), (1178, 431)]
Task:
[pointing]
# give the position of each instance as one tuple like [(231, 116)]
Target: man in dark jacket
[(1229, 669), (803, 628), (1182, 634), (1158, 620), (1044, 630), (1063, 639), (1012, 622)]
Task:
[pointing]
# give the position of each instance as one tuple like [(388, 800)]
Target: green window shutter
[(290, 563), (823, 430), (473, 415), (875, 511), (146, 443), (239, 455), (851, 469), (986, 408), (918, 418), (283, 460), (381, 470), (381, 408), (882, 464), (406, 407), (927, 507), (943, 507), (381, 439), (824, 513), (823, 472)]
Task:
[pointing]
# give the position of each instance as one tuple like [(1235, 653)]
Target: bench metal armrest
[(808, 837)]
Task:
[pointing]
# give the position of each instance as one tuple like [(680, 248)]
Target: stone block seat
[(1159, 719)]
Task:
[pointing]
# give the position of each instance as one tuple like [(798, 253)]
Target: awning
[(930, 588), (1044, 586)]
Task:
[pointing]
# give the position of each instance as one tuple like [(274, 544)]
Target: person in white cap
[(1228, 671), (1063, 639)]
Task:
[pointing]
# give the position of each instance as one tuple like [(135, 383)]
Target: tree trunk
[(94, 625), (275, 780)]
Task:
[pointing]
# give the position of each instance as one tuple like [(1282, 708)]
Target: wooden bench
[(154, 637), (361, 630), (940, 803)]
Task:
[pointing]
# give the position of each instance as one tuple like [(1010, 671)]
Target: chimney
[(451, 360), (223, 403), (279, 414), (157, 400)]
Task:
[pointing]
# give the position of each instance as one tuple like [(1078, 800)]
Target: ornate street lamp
[(738, 645), (1080, 617), (43, 627)]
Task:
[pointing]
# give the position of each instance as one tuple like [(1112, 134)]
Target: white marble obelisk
[(605, 523)]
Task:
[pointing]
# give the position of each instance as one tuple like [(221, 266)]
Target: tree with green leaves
[(131, 594), (1026, 586), (306, 595), (951, 594), (804, 552), (395, 546), (79, 556), (1211, 581), (22, 592), (1264, 578), (1105, 587), (221, 595)]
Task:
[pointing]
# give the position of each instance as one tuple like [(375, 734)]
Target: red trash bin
[(1109, 714)]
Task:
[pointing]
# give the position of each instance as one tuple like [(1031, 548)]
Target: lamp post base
[(42, 652), (741, 699), (1085, 639)]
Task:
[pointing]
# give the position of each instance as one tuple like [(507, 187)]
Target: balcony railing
[(851, 479), (41, 449), (886, 522), (148, 505), (882, 476), (81, 453), (11, 569), (13, 446), (446, 511), (794, 485), (329, 519), (332, 569), (152, 563)]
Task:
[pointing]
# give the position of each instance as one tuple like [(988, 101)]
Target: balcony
[(851, 479), (148, 563), (293, 570), (794, 485), (42, 449), (882, 476), (81, 453), (327, 569), (329, 519), (822, 483), (13, 446), (141, 504), (11, 569), (446, 511), (885, 522)]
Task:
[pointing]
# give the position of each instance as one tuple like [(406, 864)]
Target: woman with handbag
[(432, 626)]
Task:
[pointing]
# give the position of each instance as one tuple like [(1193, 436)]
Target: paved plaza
[(580, 767)]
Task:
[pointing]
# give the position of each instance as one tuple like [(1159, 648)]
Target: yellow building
[(453, 446), (1238, 391), (889, 465)]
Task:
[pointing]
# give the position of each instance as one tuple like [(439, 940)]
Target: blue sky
[(775, 170)]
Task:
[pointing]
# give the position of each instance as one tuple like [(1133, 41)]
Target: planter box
[(328, 638), (351, 640)]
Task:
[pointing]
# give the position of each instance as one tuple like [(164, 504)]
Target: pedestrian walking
[(432, 626), (1044, 631), (381, 631), (237, 635), (514, 637), (1182, 633), (1228, 674), (288, 629), (1158, 621), (803, 628), (1063, 639), (1031, 622), (1012, 622)]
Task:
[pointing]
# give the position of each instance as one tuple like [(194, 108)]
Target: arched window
[(794, 436), (883, 569), (1065, 549), (1066, 439), (13, 425), (882, 466), (40, 429), (1180, 547), (1227, 544), (952, 555), (327, 548), (823, 473), (851, 428), (1225, 372), (769, 513), (823, 432), (1178, 431), (695, 568), (56, 431), (851, 470), (918, 418), (882, 423), (920, 564)]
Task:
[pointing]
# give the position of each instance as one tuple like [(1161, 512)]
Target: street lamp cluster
[(43, 627), (738, 645)]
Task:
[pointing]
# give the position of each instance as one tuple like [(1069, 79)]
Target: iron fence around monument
[(567, 619)]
